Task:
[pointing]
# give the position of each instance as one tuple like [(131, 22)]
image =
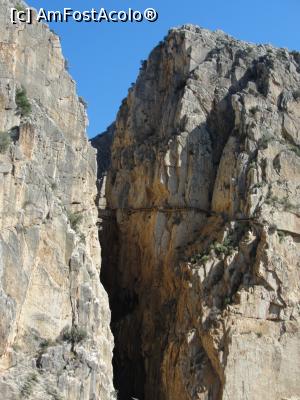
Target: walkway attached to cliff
[(110, 212)]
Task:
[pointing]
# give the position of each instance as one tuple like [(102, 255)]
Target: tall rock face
[(55, 340), (204, 188)]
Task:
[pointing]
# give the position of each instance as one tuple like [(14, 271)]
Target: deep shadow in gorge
[(129, 376)]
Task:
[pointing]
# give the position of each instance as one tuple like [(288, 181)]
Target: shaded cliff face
[(55, 340), (204, 186)]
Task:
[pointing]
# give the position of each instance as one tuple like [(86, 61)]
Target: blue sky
[(104, 58)]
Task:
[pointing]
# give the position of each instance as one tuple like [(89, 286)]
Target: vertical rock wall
[(55, 340), (204, 185)]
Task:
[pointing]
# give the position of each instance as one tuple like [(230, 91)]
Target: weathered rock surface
[(204, 179), (55, 340)]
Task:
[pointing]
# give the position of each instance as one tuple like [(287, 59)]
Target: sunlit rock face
[(55, 340), (202, 261)]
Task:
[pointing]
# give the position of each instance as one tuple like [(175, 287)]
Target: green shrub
[(114, 395), (296, 94), (19, 7), (252, 164), (219, 249), (75, 219), (53, 393), (281, 236), (22, 102), (295, 149), (45, 343), (296, 55), (284, 202), (264, 141), (204, 258), (78, 334), (272, 228), (27, 388), (27, 203), (254, 110), (83, 102), (75, 335), (271, 199), (225, 248), (287, 205), (14, 134), (82, 237), (258, 185), (5, 141), (199, 258), (16, 347), (176, 219), (227, 300)]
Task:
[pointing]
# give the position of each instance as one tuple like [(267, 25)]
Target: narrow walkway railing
[(110, 212)]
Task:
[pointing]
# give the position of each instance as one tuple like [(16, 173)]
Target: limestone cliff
[(55, 340), (203, 209)]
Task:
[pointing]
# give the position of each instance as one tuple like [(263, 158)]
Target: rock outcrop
[(203, 200), (55, 339)]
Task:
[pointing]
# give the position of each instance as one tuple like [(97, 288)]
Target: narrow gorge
[(160, 260)]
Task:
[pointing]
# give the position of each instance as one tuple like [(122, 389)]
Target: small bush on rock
[(19, 7), (27, 388), (75, 219), (75, 335), (46, 343), (114, 395), (53, 393), (22, 102), (83, 102), (295, 149)]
